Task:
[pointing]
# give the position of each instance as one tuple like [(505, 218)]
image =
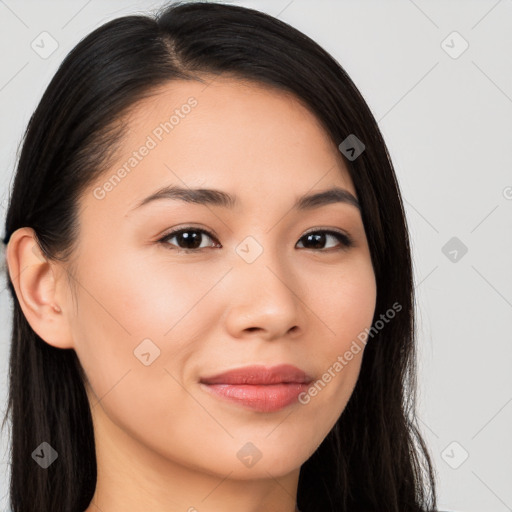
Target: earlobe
[(35, 281)]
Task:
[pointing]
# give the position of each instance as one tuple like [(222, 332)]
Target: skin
[(162, 443)]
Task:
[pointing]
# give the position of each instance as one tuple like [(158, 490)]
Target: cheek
[(344, 303), (132, 311), (345, 307), (135, 337), (139, 298)]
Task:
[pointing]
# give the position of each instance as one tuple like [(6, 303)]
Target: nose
[(265, 299)]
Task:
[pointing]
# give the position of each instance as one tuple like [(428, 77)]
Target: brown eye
[(191, 239), (317, 239), (187, 239)]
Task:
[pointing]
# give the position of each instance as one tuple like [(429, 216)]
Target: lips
[(283, 373), (259, 388)]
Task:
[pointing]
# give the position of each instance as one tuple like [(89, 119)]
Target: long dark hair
[(374, 458)]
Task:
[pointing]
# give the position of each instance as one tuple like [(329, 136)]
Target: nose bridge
[(264, 289), (262, 263)]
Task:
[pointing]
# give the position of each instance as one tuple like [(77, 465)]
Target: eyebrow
[(205, 196)]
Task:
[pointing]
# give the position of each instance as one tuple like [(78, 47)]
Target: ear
[(37, 282)]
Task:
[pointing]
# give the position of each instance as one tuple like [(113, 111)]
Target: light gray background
[(448, 124)]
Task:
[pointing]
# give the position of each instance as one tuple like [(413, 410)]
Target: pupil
[(319, 238), (193, 239)]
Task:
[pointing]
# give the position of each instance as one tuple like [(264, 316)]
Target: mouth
[(259, 388)]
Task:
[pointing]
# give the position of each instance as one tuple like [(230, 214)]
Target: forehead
[(246, 138)]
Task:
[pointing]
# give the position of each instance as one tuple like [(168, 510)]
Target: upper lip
[(260, 374)]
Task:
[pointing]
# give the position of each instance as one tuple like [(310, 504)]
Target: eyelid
[(178, 228), (327, 230)]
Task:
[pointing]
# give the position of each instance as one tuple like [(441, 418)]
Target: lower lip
[(259, 397)]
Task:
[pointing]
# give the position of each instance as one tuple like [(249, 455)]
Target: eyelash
[(345, 240)]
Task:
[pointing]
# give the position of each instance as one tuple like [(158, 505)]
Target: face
[(257, 282)]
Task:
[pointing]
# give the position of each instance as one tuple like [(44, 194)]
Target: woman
[(211, 276)]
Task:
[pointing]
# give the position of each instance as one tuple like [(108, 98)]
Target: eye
[(318, 238), (189, 239)]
